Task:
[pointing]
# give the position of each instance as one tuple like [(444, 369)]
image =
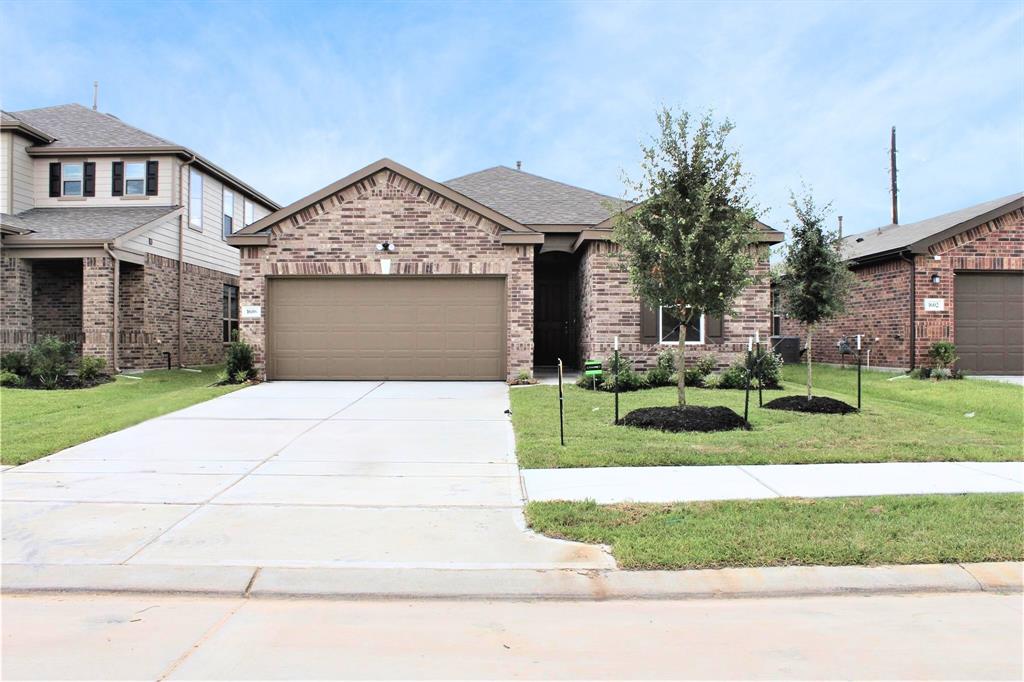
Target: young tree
[(815, 279), (689, 241)]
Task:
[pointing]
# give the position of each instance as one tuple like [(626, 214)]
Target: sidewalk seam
[(748, 473)]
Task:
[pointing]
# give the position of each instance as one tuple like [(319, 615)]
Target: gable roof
[(72, 128), (80, 223), (916, 237), (261, 227), (533, 200)]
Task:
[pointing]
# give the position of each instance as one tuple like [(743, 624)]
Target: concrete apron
[(351, 479)]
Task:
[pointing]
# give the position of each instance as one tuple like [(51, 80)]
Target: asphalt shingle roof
[(533, 200), (898, 237), (76, 126), (82, 222)]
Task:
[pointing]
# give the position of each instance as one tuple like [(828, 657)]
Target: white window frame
[(128, 177), (661, 336), (248, 212), (225, 213), (81, 178), (194, 178)]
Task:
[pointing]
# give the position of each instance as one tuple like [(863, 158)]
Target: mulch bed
[(71, 382), (816, 405), (689, 418)]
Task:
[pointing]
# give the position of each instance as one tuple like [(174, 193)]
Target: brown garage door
[(387, 328), (989, 318)]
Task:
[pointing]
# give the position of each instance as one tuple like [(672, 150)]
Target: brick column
[(98, 308), (15, 304)]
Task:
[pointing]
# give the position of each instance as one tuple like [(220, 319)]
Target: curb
[(522, 585)]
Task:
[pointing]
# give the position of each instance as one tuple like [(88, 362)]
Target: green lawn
[(37, 423), (781, 532), (903, 420)]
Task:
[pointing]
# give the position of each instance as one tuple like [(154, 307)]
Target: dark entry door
[(555, 310)]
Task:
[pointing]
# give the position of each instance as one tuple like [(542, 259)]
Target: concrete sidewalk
[(610, 485)]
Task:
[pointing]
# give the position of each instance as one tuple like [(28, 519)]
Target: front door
[(555, 310)]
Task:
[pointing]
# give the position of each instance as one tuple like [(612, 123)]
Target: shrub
[(240, 364), (626, 379), (770, 369), (735, 376), (942, 354), (10, 379), (90, 368), (49, 361), (661, 373), (15, 362)]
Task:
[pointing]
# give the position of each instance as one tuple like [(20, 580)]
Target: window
[(229, 212), (776, 310), (669, 325), (135, 178), (195, 199), (230, 312), (250, 212), (72, 183)]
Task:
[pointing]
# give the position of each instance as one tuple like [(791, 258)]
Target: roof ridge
[(998, 201), (539, 177), (117, 119)]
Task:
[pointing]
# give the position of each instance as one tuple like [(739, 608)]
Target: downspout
[(913, 309), (117, 304), (181, 262)]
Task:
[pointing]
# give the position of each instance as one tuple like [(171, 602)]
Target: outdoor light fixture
[(936, 279), (385, 246)]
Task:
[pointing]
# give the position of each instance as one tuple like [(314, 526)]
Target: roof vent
[(519, 165), (860, 239)]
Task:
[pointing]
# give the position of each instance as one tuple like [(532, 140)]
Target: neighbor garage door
[(386, 328), (990, 322)]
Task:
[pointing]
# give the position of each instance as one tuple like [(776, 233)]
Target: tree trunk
[(809, 363), (682, 366)]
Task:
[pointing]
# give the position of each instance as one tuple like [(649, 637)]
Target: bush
[(937, 373), (735, 376), (15, 362), (240, 362), (661, 373), (90, 368), (769, 370), (49, 361), (942, 354), (627, 379), (10, 379)]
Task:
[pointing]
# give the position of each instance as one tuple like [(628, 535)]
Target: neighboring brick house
[(389, 274), (114, 239), (956, 277)]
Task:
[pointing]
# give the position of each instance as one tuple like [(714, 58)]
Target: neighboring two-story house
[(115, 239)]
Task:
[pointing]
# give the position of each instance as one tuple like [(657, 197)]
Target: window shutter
[(713, 329), (89, 179), (648, 324), (55, 179), (152, 173), (117, 179)]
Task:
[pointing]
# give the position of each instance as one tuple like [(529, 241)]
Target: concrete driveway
[(355, 475)]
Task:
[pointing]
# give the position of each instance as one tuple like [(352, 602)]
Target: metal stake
[(858, 381), (616, 370), (760, 378), (746, 396), (561, 407)]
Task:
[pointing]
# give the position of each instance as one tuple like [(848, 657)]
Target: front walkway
[(355, 475), (610, 485)]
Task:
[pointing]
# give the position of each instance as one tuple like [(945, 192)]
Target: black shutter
[(713, 329), (648, 324), (54, 179), (89, 179), (152, 168), (117, 179)]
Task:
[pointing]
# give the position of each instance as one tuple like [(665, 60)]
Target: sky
[(292, 96)]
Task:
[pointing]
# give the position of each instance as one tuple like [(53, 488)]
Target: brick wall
[(98, 308), (609, 308), (879, 304), (15, 304), (433, 236)]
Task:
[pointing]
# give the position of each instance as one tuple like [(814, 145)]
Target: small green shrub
[(240, 365), (769, 371), (90, 368), (10, 379), (661, 373), (626, 379), (942, 354), (735, 376), (523, 377), (15, 362), (49, 361)]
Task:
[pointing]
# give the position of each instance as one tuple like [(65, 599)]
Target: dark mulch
[(69, 382), (689, 418), (816, 405)]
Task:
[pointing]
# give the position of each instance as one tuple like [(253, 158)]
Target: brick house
[(389, 274), (115, 239), (956, 277)]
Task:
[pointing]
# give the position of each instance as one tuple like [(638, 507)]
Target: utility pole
[(892, 176), (95, 94)]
